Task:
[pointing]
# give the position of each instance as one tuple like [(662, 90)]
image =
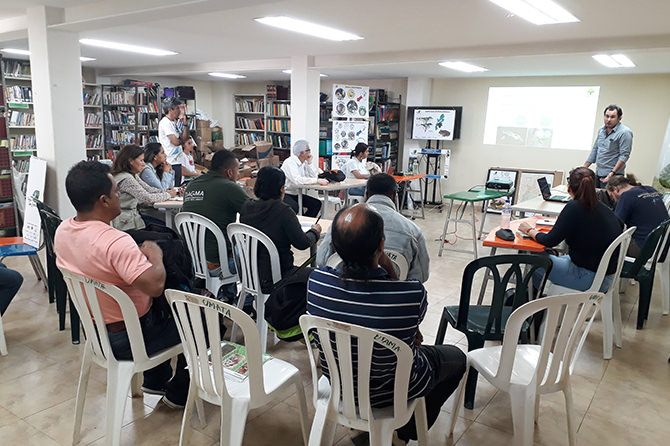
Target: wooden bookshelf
[(250, 121)]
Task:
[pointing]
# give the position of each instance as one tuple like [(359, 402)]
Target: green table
[(475, 195)]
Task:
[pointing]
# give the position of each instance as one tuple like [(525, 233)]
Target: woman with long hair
[(157, 172), (588, 227), (637, 205), (355, 167), (128, 164)]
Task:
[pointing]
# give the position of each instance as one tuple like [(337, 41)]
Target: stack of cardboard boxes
[(253, 157)]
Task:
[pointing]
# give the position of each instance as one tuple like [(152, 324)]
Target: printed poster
[(346, 134), (37, 173), (350, 101)]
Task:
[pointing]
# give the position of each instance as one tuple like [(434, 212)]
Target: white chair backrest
[(621, 242), (564, 328), (343, 395), (399, 262), (246, 239), (205, 364), (85, 294), (193, 228), (334, 261)]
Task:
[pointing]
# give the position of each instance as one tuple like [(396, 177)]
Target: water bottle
[(506, 215)]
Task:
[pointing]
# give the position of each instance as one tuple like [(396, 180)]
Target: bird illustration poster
[(350, 101), (346, 134), (433, 124)]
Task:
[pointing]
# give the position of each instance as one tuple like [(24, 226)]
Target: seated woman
[(637, 205), (157, 172), (276, 219), (588, 228), (355, 167), (186, 159), (128, 164)]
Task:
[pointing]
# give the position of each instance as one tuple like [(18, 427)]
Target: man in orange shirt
[(88, 245)]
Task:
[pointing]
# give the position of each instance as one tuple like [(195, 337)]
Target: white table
[(538, 205), (171, 208), (345, 185)]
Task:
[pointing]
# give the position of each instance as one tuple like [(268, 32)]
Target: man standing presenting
[(88, 245), (173, 132), (401, 234), (365, 294), (612, 147), (299, 170)]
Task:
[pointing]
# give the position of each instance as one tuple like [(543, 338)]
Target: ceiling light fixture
[(289, 72), (614, 61), (127, 47), (311, 29), (86, 59), (462, 66), (539, 12), (27, 53), (227, 75)]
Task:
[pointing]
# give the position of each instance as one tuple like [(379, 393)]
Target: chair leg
[(646, 286), (608, 328), (616, 317), (185, 434), (523, 413), (323, 428), (381, 433), (200, 408), (136, 385), (302, 408), (118, 385), (421, 420), (75, 323), (664, 271), (442, 329), (458, 400), (84, 373), (233, 421), (570, 411), (3, 343)]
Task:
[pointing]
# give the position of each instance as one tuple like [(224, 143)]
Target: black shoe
[(175, 398), (153, 390), (251, 311)]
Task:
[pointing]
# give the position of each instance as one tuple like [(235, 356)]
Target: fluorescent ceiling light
[(311, 29), (86, 59), (539, 12), (126, 47), (614, 61), (289, 72), (462, 66), (227, 75), (27, 53)]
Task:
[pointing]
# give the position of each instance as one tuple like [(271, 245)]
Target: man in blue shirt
[(612, 147), (364, 293)]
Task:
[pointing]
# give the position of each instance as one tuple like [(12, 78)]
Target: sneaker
[(152, 391), (173, 401)]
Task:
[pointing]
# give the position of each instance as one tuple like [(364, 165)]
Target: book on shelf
[(18, 93), (234, 358), (253, 105), (248, 138), (22, 119), (16, 68), (279, 109), (92, 120), (242, 122), (123, 97), (279, 125), (91, 99), (22, 142)]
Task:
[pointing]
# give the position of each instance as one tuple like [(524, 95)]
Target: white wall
[(643, 98)]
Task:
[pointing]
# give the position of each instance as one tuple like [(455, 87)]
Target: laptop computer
[(546, 192)]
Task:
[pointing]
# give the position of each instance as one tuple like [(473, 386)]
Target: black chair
[(511, 276), (651, 250), (57, 287)]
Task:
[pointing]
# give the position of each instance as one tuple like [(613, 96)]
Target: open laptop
[(546, 192)]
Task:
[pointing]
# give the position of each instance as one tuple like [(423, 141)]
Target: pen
[(317, 220)]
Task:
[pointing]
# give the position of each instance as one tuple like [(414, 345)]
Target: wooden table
[(406, 190), (477, 194), (538, 205), (345, 185)]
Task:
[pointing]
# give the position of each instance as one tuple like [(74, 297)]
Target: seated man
[(401, 234), (88, 245), (364, 294), (217, 196), (10, 282), (299, 170)]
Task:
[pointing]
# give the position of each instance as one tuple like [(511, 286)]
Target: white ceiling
[(401, 38)]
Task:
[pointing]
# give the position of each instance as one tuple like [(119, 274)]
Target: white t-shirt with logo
[(167, 127), (186, 161)]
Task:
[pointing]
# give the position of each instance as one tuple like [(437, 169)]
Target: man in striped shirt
[(365, 293)]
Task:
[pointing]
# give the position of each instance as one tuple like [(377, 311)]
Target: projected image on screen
[(549, 117)]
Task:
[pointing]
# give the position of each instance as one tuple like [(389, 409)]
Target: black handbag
[(333, 176)]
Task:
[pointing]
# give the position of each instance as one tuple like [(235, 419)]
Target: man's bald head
[(357, 234)]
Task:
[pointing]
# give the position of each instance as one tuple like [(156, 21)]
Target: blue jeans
[(359, 191), (567, 274), (10, 282)]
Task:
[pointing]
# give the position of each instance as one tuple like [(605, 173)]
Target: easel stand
[(433, 159)]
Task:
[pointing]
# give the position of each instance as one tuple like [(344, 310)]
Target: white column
[(305, 84), (58, 103), (418, 93)]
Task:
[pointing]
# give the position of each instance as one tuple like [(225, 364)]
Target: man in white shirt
[(299, 170), (173, 131)]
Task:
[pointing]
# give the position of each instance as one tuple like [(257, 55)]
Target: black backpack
[(333, 176), (287, 302)]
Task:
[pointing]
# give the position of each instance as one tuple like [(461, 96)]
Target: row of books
[(119, 137), (146, 139), (249, 124), (280, 109), (250, 106), (23, 119), (92, 99), (92, 119), (123, 97), (94, 141), (151, 122), (279, 125), (281, 141), (150, 108), (247, 138), (18, 93), (22, 142), (149, 100), (119, 117), (22, 165), (16, 68), (386, 113)]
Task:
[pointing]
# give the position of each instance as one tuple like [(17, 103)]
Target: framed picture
[(501, 173)]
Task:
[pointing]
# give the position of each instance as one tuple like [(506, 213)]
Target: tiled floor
[(624, 401)]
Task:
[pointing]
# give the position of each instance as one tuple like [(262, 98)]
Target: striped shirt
[(391, 306)]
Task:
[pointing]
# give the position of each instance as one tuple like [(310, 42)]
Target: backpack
[(333, 176)]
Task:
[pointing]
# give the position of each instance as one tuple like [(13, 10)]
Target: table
[(538, 205), (475, 195), (345, 185), (171, 208), (406, 190)]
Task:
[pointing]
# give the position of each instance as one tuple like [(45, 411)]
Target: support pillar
[(305, 90)]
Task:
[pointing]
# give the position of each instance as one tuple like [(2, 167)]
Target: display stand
[(434, 158)]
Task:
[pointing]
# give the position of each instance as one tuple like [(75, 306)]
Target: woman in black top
[(273, 217), (588, 228)]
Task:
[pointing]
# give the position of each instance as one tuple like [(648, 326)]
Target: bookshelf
[(92, 98), (129, 115), (250, 124), (383, 132), (326, 133), (279, 124)]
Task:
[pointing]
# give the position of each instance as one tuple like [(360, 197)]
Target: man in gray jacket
[(401, 234)]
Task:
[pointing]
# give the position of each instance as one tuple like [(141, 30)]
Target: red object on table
[(401, 178), (519, 243)]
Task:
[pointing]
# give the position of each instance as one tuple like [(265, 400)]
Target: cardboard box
[(217, 133), (205, 133), (268, 161), (218, 144), (260, 150), (202, 124), (245, 172)]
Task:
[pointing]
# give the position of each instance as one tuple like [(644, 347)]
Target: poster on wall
[(346, 134), (37, 174), (662, 178), (339, 160), (350, 101)]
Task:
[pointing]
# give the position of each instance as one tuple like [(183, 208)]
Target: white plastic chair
[(83, 292), (399, 262), (663, 266), (3, 343), (209, 382), (611, 306), (193, 228), (335, 399), (528, 371), (245, 240)]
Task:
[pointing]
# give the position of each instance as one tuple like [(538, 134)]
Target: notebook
[(545, 190)]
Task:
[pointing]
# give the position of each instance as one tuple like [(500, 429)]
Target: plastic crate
[(7, 217), (6, 186), (4, 158)]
